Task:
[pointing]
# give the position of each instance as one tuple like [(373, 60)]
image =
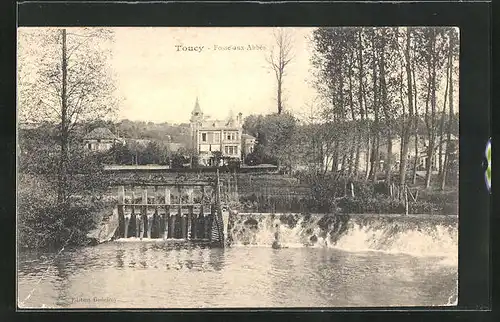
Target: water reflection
[(155, 274), (119, 258), (62, 283)]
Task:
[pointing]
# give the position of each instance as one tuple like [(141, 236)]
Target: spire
[(197, 108), (196, 114)]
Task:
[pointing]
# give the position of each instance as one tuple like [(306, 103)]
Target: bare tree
[(279, 57), (65, 80)]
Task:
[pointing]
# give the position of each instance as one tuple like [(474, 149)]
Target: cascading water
[(419, 235)]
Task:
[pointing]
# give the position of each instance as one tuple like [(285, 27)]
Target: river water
[(160, 274)]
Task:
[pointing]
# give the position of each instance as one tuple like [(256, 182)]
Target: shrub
[(43, 223), (370, 205)]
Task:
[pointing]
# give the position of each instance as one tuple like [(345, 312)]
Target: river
[(158, 274)]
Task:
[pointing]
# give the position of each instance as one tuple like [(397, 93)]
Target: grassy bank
[(331, 194)]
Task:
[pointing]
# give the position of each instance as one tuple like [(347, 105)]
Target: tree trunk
[(352, 146), (431, 127), (360, 102), (335, 158), (375, 150), (388, 165), (407, 126), (441, 126), (62, 177), (385, 106), (367, 161), (415, 128), (279, 99), (375, 159), (451, 111)]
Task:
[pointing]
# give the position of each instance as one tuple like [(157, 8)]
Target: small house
[(100, 140)]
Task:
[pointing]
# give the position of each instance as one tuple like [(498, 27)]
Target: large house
[(224, 136), (101, 140)]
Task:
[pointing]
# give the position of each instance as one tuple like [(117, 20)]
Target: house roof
[(99, 134), (219, 125)]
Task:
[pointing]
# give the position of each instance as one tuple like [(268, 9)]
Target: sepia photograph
[(237, 167)]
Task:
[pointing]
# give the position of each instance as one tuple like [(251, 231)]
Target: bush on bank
[(42, 221)]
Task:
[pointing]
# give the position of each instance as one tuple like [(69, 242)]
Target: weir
[(189, 211), (417, 234)]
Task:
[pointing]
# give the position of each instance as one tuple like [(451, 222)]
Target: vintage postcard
[(182, 167)]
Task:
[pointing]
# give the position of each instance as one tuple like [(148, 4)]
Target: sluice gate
[(187, 211)]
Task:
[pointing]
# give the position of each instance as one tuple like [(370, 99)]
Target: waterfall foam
[(419, 235)]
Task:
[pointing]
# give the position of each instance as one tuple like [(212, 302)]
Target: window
[(204, 137), (217, 137), (231, 149), (89, 146), (229, 136)]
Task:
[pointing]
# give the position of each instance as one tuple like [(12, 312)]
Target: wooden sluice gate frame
[(172, 211)]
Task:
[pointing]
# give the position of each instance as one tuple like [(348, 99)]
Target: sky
[(158, 77), (159, 81)]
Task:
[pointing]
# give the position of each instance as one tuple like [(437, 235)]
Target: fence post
[(167, 212), (202, 216), (190, 213), (121, 213), (136, 213), (144, 203), (150, 216)]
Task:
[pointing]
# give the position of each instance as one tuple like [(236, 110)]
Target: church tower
[(196, 119)]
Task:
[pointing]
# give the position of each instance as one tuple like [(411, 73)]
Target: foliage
[(89, 82), (276, 134), (178, 161), (180, 133), (46, 222), (378, 84), (54, 225)]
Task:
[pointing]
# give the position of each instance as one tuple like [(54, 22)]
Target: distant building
[(211, 136), (100, 140)]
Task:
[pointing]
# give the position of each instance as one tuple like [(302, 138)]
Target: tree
[(407, 122), (279, 58), (152, 154), (216, 158), (65, 81), (452, 53), (432, 50), (122, 154)]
